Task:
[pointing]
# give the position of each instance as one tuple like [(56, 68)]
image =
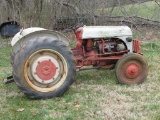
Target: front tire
[(132, 68), (44, 68)]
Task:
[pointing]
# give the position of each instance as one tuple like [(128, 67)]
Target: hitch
[(8, 80)]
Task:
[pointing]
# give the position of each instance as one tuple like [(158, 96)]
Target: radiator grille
[(136, 47)]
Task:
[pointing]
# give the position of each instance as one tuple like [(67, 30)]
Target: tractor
[(44, 66)]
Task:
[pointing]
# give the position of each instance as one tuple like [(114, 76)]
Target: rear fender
[(25, 35)]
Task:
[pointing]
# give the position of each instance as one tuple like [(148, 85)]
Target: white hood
[(105, 31)]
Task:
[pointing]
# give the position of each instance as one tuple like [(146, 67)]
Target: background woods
[(64, 13)]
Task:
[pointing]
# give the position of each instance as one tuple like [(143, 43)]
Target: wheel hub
[(45, 69), (132, 71)]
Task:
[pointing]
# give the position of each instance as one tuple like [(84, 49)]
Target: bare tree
[(99, 12)]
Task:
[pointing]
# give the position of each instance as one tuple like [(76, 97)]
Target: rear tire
[(132, 68), (44, 68)]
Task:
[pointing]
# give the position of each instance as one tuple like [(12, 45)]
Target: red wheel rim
[(132, 71), (46, 70)]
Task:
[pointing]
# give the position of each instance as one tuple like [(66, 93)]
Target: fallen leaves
[(76, 104), (20, 110)]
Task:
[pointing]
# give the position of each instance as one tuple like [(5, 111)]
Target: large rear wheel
[(132, 68), (44, 68)]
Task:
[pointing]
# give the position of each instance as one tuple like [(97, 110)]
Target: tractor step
[(8, 80)]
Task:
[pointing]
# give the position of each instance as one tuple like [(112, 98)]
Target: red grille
[(137, 47)]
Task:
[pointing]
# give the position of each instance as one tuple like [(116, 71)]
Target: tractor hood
[(105, 31)]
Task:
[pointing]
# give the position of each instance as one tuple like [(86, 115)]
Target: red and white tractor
[(44, 66)]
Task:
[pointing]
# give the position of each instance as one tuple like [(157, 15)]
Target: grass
[(94, 95)]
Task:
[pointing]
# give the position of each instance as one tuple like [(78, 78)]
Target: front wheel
[(132, 68), (44, 68)]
